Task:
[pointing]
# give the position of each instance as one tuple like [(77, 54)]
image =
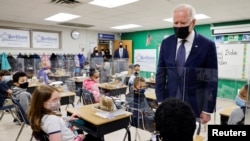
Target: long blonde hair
[(39, 96)]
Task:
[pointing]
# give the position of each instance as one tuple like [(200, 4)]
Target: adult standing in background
[(96, 59), (187, 66), (107, 55), (121, 55)]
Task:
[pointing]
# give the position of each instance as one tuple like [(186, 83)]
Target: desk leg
[(127, 133), (223, 120)]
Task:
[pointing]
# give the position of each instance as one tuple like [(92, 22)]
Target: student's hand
[(80, 137), (74, 116), (205, 117)]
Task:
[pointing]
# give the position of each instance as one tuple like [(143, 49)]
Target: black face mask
[(96, 51), (181, 32), (120, 46), (24, 85), (136, 73)]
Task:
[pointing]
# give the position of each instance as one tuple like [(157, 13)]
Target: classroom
[(95, 51)]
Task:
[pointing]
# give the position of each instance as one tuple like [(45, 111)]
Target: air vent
[(68, 3), (65, 1), (75, 25)]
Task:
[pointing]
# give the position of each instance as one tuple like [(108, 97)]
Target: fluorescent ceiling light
[(62, 17), (111, 3), (126, 26), (197, 17)]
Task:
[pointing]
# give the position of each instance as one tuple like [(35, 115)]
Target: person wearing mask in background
[(107, 55), (136, 72), (105, 71), (237, 117), (44, 116), (121, 55), (174, 121), (188, 66), (20, 89), (42, 75), (91, 84), (96, 58), (5, 91), (86, 68), (102, 51), (136, 99)]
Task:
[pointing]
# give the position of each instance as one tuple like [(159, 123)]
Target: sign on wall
[(45, 39), (106, 36), (14, 38), (146, 58)]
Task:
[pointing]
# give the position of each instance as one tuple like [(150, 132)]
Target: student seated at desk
[(135, 74), (91, 84), (136, 99), (44, 116), (237, 116), (175, 121), (5, 91), (42, 74), (20, 89)]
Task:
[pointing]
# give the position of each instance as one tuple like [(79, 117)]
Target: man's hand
[(205, 117)]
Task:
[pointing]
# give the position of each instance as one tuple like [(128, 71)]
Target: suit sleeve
[(211, 78), (161, 73), (126, 53), (116, 54)]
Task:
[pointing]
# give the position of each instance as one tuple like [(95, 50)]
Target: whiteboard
[(247, 61), (231, 61)]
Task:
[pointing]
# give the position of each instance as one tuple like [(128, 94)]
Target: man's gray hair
[(190, 8)]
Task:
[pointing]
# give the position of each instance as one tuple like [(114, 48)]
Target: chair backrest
[(20, 111), (87, 97), (41, 136)]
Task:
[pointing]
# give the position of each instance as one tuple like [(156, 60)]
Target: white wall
[(69, 45)]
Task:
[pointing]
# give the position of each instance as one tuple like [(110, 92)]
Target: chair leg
[(137, 134), (12, 114), (31, 138), (19, 133), (2, 115)]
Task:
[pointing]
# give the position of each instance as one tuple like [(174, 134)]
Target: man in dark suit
[(121, 55), (187, 67)]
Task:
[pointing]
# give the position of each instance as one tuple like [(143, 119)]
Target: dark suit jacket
[(124, 54), (200, 80)]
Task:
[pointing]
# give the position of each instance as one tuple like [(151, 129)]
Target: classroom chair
[(5, 108), (22, 118), (136, 120), (87, 97)]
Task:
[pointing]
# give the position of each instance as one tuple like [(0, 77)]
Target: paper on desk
[(106, 114)]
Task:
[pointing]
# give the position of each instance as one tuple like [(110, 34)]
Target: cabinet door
[(126, 44)]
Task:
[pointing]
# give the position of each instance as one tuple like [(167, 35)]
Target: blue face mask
[(239, 101), (7, 78), (141, 91)]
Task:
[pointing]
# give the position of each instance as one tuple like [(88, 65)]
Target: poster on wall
[(45, 40), (231, 61), (14, 38), (146, 58)]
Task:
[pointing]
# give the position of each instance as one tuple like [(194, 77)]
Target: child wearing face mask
[(21, 83), (136, 99), (44, 116), (91, 84), (135, 73), (42, 74), (5, 91), (237, 116)]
